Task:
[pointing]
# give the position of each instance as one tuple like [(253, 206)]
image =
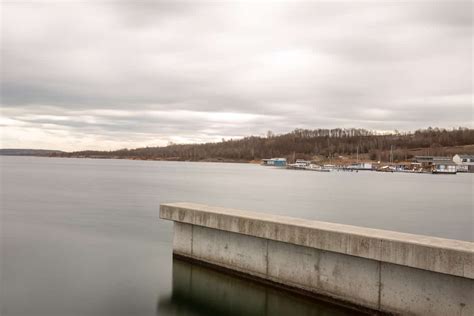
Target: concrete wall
[(381, 270)]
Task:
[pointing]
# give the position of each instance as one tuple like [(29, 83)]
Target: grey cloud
[(455, 13), (310, 65)]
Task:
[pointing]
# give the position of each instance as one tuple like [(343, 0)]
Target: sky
[(106, 75)]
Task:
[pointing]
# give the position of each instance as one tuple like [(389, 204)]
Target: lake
[(82, 236)]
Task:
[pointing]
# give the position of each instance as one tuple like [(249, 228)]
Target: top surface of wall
[(448, 256)]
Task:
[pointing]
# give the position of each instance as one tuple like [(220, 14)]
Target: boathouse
[(430, 161), (276, 162)]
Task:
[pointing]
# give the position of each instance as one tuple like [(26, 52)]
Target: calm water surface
[(82, 236)]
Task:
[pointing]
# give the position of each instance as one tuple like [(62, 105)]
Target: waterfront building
[(464, 163), (448, 167), (430, 161), (276, 162), (361, 166)]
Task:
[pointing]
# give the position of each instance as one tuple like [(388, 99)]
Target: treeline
[(305, 144)]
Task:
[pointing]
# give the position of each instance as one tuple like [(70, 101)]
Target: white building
[(464, 163), (444, 167), (361, 166)]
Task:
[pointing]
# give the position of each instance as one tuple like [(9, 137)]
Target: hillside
[(29, 152), (306, 144)]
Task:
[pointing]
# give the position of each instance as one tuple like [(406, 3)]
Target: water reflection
[(199, 290)]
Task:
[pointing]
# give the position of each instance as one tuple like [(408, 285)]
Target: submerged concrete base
[(353, 277), (200, 288), (313, 303)]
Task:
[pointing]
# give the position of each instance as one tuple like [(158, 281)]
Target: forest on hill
[(28, 152), (304, 144)]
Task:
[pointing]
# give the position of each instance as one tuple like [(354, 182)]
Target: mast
[(357, 153), (391, 153)]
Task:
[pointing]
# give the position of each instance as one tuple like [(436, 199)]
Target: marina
[(418, 164)]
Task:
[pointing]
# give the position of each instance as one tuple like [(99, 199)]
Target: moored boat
[(299, 164), (313, 167)]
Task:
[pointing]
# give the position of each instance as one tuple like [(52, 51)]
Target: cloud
[(129, 74)]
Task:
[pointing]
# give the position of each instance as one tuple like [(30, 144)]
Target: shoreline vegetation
[(341, 146)]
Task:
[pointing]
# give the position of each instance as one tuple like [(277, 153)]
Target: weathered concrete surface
[(231, 250), (182, 238), (387, 271), (425, 292), (340, 276), (429, 253)]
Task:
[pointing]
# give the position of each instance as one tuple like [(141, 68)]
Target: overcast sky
[(113, 74)]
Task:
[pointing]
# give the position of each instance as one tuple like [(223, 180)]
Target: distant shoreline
[(119, 158), (321, 146)]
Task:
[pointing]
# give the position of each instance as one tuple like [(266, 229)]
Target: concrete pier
[(382, 270)]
